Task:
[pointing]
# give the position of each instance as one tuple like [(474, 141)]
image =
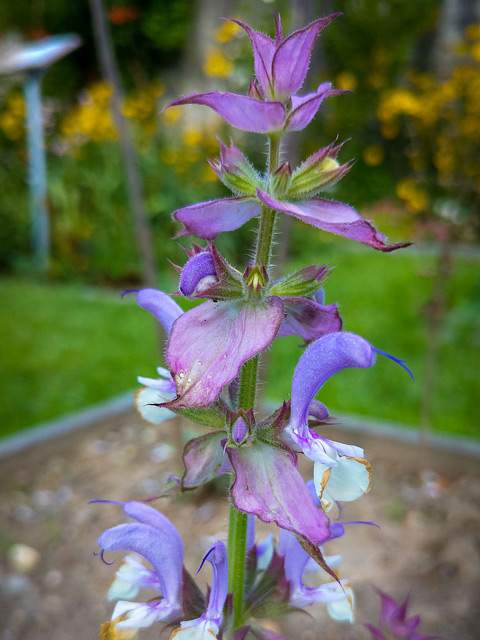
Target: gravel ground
[(426, 502)]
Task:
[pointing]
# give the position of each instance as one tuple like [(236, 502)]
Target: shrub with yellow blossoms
[(439, 119)]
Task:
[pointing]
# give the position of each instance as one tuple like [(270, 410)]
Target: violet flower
[(207, 219), (208, 344), (207, 626), (298, 564), (161, 390), (394, 624), (280, 67), (341, 472), (155, 538)]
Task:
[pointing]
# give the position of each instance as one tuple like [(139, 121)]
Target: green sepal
[(208, 416), (301, 284), (236, 172), (269, 597), (255, 278), (230, 281), (319, 171), (279, 181), (270, 430), (242, 184)]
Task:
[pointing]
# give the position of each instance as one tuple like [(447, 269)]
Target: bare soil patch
[(426, 502)]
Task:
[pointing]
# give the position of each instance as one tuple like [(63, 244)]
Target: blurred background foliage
[(412, 122)]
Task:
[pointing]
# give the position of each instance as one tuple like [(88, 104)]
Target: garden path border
[(385, 429)]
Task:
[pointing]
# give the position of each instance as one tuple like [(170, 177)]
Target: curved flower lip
[(217, 557), (155, 538), (281, 65), (334, 217), (349, 480), (322, 359), (207, 219), (242, 112), (160, 305), (209, 623), (209, 344)]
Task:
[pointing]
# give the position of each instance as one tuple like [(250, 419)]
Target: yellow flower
[(472, 32), (216, 64), (346, 81), (226, 32), (172, 115), (475, 51), (373, 155), (415, 198), (389, 130), (192, 136)]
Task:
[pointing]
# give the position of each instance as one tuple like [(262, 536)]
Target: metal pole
[(37, 170)]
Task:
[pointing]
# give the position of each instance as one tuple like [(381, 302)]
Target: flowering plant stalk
[(212, 356)]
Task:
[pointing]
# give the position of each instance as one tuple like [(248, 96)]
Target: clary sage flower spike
[(212, 354)]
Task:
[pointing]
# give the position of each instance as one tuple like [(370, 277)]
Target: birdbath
[(33, 59)]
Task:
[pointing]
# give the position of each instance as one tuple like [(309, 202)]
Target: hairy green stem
[(237, 530)]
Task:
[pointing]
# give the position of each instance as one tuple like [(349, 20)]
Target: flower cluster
[(212, 354), (438, 120)]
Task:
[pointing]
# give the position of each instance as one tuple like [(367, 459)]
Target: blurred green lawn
[(66, 346)]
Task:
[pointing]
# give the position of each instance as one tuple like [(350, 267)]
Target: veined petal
[(349, 480), (209, 344), (334, 217), (305, 107), (263, 51), (242, 112), (203, 459), (269, 485), (292, 57), (165, 310), (207, 219), (309, 319), (322, 359), (315, 212)]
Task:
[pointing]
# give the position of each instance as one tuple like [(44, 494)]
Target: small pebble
[(53, 578), (161, 452), (15, 584), (23, 558)]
